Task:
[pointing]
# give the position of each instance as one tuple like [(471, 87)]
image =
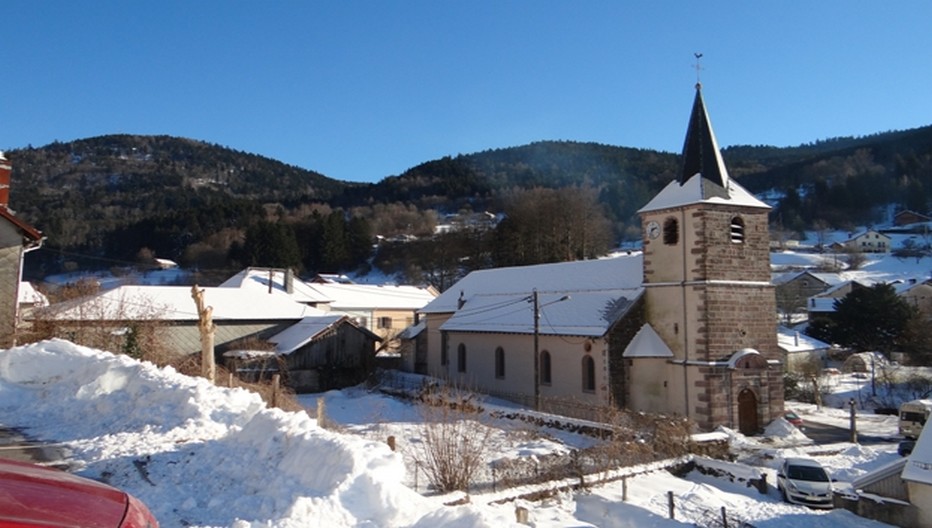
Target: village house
[(869, 241), (16, 239), (822, 305), (906, 217), (384, 310), (316, 354), (918, 294), (687, 328), (799, 349), (171, 312), (793, 289)]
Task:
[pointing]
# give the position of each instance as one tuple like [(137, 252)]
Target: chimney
[(796, 339), (5, 170), (289, 281)]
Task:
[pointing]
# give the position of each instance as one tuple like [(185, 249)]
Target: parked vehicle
[(804, 481), (913, 416), (32, 495), (793, 418), (905, 448)]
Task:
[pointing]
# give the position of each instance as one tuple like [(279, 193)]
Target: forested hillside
[(121, 199)]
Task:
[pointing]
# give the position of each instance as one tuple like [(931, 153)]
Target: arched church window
[(671, 232), (588, 374), (499, 362), (737, 230)]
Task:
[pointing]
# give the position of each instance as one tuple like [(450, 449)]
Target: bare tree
[(454, 439)]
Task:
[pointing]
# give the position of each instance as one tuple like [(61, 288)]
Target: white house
[(869, 241)]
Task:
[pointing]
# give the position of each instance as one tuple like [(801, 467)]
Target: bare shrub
[(454, 439)]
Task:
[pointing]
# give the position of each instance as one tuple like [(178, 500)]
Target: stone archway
[(747, 412)]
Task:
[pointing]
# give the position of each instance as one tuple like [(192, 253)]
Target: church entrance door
[(747, 412)]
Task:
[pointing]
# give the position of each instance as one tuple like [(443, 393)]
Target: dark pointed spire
[(701, 154)]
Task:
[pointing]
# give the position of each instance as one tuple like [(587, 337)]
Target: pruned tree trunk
[(206, 327)]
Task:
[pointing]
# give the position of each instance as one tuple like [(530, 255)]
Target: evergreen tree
[(868, 319)]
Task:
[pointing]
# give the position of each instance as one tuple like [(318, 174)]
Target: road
[(14, 444), (828, 434)]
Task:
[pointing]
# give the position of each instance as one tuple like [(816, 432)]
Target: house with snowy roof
[(17, 238), (793, 289), (686, 328), (170, 313), (907, 217), (384, 310), (869, 241), (822, 305), (799, 349), (917, 293), (318, 353)]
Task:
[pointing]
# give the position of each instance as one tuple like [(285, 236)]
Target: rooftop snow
[(552, 281), (676, 195), (579, 313), (175, 303), (302, 332)]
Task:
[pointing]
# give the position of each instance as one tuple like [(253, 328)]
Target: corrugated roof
[(303, 332)]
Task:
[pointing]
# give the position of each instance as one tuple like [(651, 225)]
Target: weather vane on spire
[(698, 68)]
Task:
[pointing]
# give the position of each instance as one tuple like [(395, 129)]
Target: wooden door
[(747, 412)]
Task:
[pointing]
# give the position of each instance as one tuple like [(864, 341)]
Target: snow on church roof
[(676, 195), (580, 298), (579, 313)]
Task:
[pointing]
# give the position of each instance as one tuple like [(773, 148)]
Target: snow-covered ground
[(201, 455)]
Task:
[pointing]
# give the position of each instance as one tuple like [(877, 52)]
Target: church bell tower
[(708, 290)]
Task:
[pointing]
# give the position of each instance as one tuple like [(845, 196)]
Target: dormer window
[(671, 232), (737, 230)]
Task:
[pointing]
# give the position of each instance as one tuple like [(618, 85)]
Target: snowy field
[(201, 455)]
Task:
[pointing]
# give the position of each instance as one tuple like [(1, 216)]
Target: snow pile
[(786, 433), (199, 454)]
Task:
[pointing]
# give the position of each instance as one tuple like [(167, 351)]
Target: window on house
[(461, 358), (545, 368), (671, 232), (385, 322), (499, 363), (588, 374), (737, 230)]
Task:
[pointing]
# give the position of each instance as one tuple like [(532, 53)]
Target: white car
[(804, 481)]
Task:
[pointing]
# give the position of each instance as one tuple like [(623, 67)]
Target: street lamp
[(535, 298)]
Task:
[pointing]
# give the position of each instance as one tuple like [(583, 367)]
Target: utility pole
[(207, 328), (536, 300)]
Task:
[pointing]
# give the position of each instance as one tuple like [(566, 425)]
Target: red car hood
[(36, 496)]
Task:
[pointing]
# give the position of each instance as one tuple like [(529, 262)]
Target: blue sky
[(363, 90)]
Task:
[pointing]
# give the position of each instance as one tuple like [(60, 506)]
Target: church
[(687, 327)]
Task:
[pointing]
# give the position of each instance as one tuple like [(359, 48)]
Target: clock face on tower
[(653, 229)]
